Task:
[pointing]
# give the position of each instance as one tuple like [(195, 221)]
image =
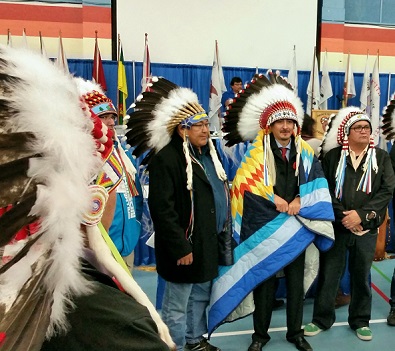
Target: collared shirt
[(288, 147), (356, 160), (217, 185)]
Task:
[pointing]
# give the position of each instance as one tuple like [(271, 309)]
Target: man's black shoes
[(256, 346), (301, 344), (391, 317)]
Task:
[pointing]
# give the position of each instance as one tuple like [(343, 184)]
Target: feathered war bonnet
[(157, 113), (47, 157), (336, 135), (389, 119), (263, 101)]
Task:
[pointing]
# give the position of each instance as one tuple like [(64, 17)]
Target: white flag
[(365, 91), (61, 60), (24, 39), (293, 73), (313, 89), (349, 85), (146, 67), (375, 103), (217, 88), (326, 86)]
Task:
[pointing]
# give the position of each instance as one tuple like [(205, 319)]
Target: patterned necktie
[(284, 153)]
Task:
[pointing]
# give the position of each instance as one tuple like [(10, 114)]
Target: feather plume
[(41, 116), (242, 118)]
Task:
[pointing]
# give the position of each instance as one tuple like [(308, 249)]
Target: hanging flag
[(326, 87), (349, 85), (375, 105), (365, 91), (97, 69), (313, 89), (122, 84), (9, 38), (61, 60), (146, 67), (217, 88), (42, 47), (24, 39), (293, 73)]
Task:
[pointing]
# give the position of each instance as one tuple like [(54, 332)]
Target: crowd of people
[(215, 244)]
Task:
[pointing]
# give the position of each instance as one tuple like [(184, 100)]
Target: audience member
[(236, 84)]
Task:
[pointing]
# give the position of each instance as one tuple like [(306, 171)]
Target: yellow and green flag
[(122, 86)]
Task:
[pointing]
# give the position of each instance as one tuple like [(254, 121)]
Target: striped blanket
[(272, 240)]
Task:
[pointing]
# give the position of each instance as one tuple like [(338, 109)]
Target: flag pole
[(345, 94), (119, 51), (312, 86), (134, 79), (96, 52), (41, 42), (219, 110), (8, 37)]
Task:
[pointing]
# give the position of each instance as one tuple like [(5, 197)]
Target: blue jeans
[(184, 311), (332, 263)]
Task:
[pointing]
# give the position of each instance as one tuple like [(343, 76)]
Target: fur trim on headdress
[(389, 119), (157, 114), (336, 135)]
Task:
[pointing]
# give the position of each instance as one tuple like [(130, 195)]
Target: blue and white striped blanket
[(276, 239)]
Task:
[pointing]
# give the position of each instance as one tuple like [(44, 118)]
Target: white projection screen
[(250, 33)]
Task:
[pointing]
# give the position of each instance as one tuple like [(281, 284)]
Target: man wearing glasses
[(361, 182)]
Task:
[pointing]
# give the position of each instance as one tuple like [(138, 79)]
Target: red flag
[(146, 67), (97, 71)]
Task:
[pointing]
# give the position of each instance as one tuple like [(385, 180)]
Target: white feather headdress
[(47, 159), (263, 101), (336, 135), (157, 114)]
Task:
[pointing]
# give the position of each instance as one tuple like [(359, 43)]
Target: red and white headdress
[(336, 135), (263, 101)]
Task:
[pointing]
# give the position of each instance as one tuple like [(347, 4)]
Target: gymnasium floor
[(236, 336)]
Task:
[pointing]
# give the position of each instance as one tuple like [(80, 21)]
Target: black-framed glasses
[(359, 129), (201, 125)]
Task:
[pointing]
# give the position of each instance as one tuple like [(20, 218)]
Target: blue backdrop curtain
[(198, 78)]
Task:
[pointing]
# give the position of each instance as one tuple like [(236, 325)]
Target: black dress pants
[(264, 297)]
